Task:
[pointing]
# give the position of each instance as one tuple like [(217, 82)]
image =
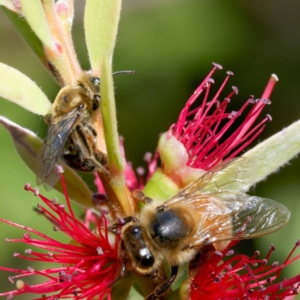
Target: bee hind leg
[(163, 288)]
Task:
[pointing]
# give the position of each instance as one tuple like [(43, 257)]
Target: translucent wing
[(239, 216), (222, 212), (229, 177), (53, 146)]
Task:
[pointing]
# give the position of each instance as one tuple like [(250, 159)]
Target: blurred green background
[(170, 45)]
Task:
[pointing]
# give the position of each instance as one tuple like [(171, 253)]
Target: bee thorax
[(168, 228)]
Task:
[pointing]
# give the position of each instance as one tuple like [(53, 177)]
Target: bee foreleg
[(122, 274), (123, 222), (128, 219), (140, 196), (163, 288)]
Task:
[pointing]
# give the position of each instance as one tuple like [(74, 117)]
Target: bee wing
[(223, 212), (236, 217), (53, 146), (229, 177)]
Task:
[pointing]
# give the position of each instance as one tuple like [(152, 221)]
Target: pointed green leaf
[(101, 19), (34, 14), (28, 35), (18, 88), (272, 154), (28, 145)]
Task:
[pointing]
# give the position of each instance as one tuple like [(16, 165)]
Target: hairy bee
[(210, 211), (71, 134)]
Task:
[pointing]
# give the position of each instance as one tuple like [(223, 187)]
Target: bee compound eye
[(136, 232), (96, 81)]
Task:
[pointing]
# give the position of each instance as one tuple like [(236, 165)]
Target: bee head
[(95, 81), (134, 242)]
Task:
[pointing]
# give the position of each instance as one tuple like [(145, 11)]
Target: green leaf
[(28, 145), (101, 19), (28, 35), (20, 89), (271, 154), (34, 14)]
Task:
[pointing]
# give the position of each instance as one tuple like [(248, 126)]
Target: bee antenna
[(124, 72)]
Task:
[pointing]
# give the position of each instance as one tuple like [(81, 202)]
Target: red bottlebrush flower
[(85, 268), (224, 276), (202, 130)]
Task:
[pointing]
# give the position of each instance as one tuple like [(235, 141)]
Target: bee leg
[(96, 102), (122, 274), (128, 220), (123, 269), (80, 150), (70, 146), (48, 119), (140, 196), (123, 222), (161, 289), (99, 158), (91, 129)]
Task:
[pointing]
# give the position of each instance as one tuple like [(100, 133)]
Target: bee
[(73, 132), (210, 211)]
